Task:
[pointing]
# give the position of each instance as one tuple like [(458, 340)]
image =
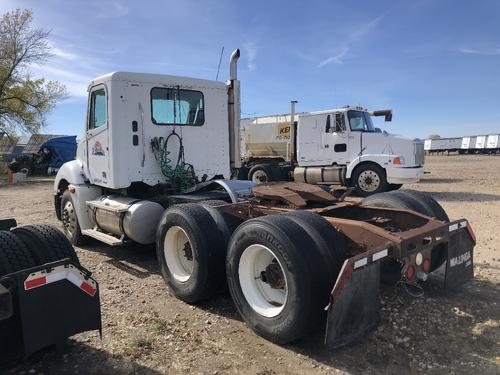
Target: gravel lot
[(147, 331)]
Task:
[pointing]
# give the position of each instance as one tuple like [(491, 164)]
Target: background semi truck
[(154, 166), (339, 146)]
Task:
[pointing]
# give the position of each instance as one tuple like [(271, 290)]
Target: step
[(103, 237)]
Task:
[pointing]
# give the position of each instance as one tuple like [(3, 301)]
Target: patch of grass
[(159, 325), (142, 342)]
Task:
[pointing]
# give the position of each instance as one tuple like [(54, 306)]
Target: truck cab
[(369, 159)]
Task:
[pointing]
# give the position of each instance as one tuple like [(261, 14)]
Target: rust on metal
[(298, 194)]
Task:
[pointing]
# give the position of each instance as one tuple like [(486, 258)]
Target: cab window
[(98, 113), (360, 121), (339, 122), (173, 106)]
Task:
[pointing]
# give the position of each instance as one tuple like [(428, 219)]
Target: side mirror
[(378, 130)]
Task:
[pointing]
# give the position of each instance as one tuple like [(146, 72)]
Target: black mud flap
[(50, 303), (459, 263), (355, 307), (5, 303)]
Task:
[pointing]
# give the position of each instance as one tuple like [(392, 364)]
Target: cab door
[(97, 136), (336, 139)]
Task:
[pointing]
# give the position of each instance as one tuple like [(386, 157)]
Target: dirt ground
[(147, 331)]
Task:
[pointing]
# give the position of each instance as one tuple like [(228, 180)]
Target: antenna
[(220, 59)]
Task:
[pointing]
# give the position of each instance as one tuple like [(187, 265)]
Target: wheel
[(261, 173), (330, 243), (278, 277), (431, 205), (46, 243), (71, 227), (14, 256), (393, 187), (226, 223), (191, 251), (369, 179)]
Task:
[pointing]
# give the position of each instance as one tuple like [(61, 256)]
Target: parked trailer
[(493, 144), (442, 145), (46, 296), (286, 250), (468, 144)]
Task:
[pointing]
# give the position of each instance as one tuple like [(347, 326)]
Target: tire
[(395, 199), (46, 243), (226, 223), (14, 255), (429, 202), (261, 173), (368, 179), (197, 273), (293, 258), (390, 269), (329, 241), (71, 227)]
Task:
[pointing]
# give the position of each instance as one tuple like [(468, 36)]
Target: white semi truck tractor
[(338, 146), (154, 167)]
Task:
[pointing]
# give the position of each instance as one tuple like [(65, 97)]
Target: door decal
[(97, 149)]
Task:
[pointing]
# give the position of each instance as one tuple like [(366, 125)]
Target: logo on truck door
[(284, 130), (97, 149)]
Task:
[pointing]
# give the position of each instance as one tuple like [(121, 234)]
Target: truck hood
[(390, 144)]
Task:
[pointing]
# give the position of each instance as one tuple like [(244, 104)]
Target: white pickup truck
[(337, 146)]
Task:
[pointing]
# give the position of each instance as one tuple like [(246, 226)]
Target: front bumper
[(404, 175)]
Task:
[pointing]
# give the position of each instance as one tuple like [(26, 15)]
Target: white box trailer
[(493, 144), (480, 144), (442, 145), (468, 144)]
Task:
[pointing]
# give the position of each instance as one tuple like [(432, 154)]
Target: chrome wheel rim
[(259, 177), (69, 218), (369, 180)]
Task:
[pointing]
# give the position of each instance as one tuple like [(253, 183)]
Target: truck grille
[(419, 153)]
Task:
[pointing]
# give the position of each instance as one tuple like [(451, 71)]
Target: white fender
[(72, 172), (380, 159)]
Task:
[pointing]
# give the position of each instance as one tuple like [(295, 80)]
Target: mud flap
[(50, 303), (459, 263), (355, 308)]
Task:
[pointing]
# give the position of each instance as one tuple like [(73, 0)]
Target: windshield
[(360, 121)]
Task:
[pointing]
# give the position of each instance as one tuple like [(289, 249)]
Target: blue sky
[(435, 62)]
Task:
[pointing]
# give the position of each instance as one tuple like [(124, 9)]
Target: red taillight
[(426, 265), (410, 272)]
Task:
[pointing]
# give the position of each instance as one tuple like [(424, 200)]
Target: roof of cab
[(157, 79)]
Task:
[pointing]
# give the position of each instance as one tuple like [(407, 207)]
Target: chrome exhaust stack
[(234, 111)]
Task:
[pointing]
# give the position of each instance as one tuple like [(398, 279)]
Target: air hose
[(182, 175)]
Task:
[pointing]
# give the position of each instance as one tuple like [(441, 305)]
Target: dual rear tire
[(32, 245), (280, 269)]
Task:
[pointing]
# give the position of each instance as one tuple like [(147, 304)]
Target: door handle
[(327, 146)]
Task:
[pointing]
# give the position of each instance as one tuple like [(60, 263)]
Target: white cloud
[(335, 59), (353, 37), (251, 49), (480, 51)]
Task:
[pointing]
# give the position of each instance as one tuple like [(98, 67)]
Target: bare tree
[(24, 101)]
